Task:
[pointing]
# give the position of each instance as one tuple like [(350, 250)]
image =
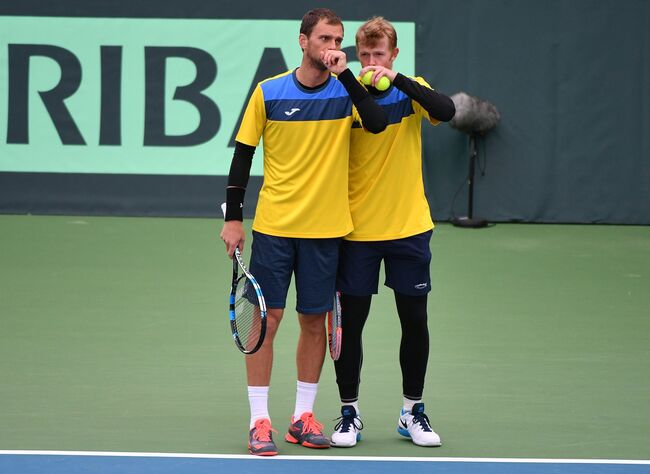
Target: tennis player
[(304, 117), (392, 222)]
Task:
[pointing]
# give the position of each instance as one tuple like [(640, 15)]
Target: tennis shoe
[(307, 431), (415, 425), (260, 439), (347, 430)]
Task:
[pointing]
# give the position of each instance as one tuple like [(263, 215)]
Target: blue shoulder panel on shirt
[(397, 105), (398, 110), (300, 110), (285, 100)]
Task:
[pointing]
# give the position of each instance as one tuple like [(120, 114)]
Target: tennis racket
[(334, 329), (247, 308)]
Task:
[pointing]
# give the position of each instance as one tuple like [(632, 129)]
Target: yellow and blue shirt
[(386, 190), (306, 137)]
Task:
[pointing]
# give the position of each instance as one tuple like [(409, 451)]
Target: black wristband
[(235, 204)]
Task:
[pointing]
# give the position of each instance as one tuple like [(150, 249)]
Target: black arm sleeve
[(240, 170), (439, 106), (372, 114)]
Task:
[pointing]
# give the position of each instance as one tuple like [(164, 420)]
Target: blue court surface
[(24, 462)]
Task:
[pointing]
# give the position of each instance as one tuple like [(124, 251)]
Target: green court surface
[(114, 336)]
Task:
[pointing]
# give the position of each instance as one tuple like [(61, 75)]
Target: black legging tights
[(413, 352)]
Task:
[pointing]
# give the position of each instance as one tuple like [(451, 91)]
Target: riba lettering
[(110, 101)]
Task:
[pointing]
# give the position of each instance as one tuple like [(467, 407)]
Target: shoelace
[(346, 422), (422, 420), (263, 431), (310, 424)]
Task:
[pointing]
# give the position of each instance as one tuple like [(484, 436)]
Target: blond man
[(392, 223)]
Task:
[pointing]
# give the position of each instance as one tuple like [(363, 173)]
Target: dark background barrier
[(570, 80)]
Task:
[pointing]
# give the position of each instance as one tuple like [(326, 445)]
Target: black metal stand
[(470, 220)]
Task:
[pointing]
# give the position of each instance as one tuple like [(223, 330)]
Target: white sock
[(258, 398), (408, 404), (305, 397), (355, 404)]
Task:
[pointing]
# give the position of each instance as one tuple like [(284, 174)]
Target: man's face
[(377, 54), (323, 37)]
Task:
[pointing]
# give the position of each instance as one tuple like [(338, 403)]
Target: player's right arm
[(232, 233), (372, 115), (250, 131)]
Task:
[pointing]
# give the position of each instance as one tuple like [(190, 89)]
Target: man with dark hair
[(392, 223), (304, 117)]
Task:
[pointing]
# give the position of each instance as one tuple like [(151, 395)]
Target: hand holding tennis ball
[(382, 84)]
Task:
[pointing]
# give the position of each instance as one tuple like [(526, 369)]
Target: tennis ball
[(383, 84), (367, 78)]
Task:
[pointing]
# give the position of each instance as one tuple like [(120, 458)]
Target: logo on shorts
[(421, 286)]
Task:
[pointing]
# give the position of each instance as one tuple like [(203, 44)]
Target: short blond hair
[(373, 30)]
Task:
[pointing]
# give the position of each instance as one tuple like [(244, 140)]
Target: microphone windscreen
[(473, 115)]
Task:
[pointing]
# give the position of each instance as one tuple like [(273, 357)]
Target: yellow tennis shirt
[(306, 138), (386, 190)]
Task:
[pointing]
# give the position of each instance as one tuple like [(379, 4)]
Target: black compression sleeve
[(348, 367), (372, 114), (439, 106), (240, 170), (414, 346)]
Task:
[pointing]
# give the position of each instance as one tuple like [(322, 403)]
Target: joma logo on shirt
[(289, 113)]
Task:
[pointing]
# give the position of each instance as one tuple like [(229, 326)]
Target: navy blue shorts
[(313, 261), (406, 261)]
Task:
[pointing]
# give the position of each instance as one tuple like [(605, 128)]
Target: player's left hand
[(334, 60)]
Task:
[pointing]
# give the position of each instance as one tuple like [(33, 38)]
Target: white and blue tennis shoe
[(347, 430), (415, 425)]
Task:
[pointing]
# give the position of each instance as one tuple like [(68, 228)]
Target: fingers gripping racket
[(247, 308), (334, 329)]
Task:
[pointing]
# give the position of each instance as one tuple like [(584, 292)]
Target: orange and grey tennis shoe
[(307, 431), (260, 439)]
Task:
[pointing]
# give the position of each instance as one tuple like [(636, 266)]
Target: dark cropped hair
[(312, 17)]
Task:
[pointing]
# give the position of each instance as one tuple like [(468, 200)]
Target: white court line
[(326, 458)]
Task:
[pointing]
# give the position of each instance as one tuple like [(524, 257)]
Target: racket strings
[(335, 330), (247, 314)]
